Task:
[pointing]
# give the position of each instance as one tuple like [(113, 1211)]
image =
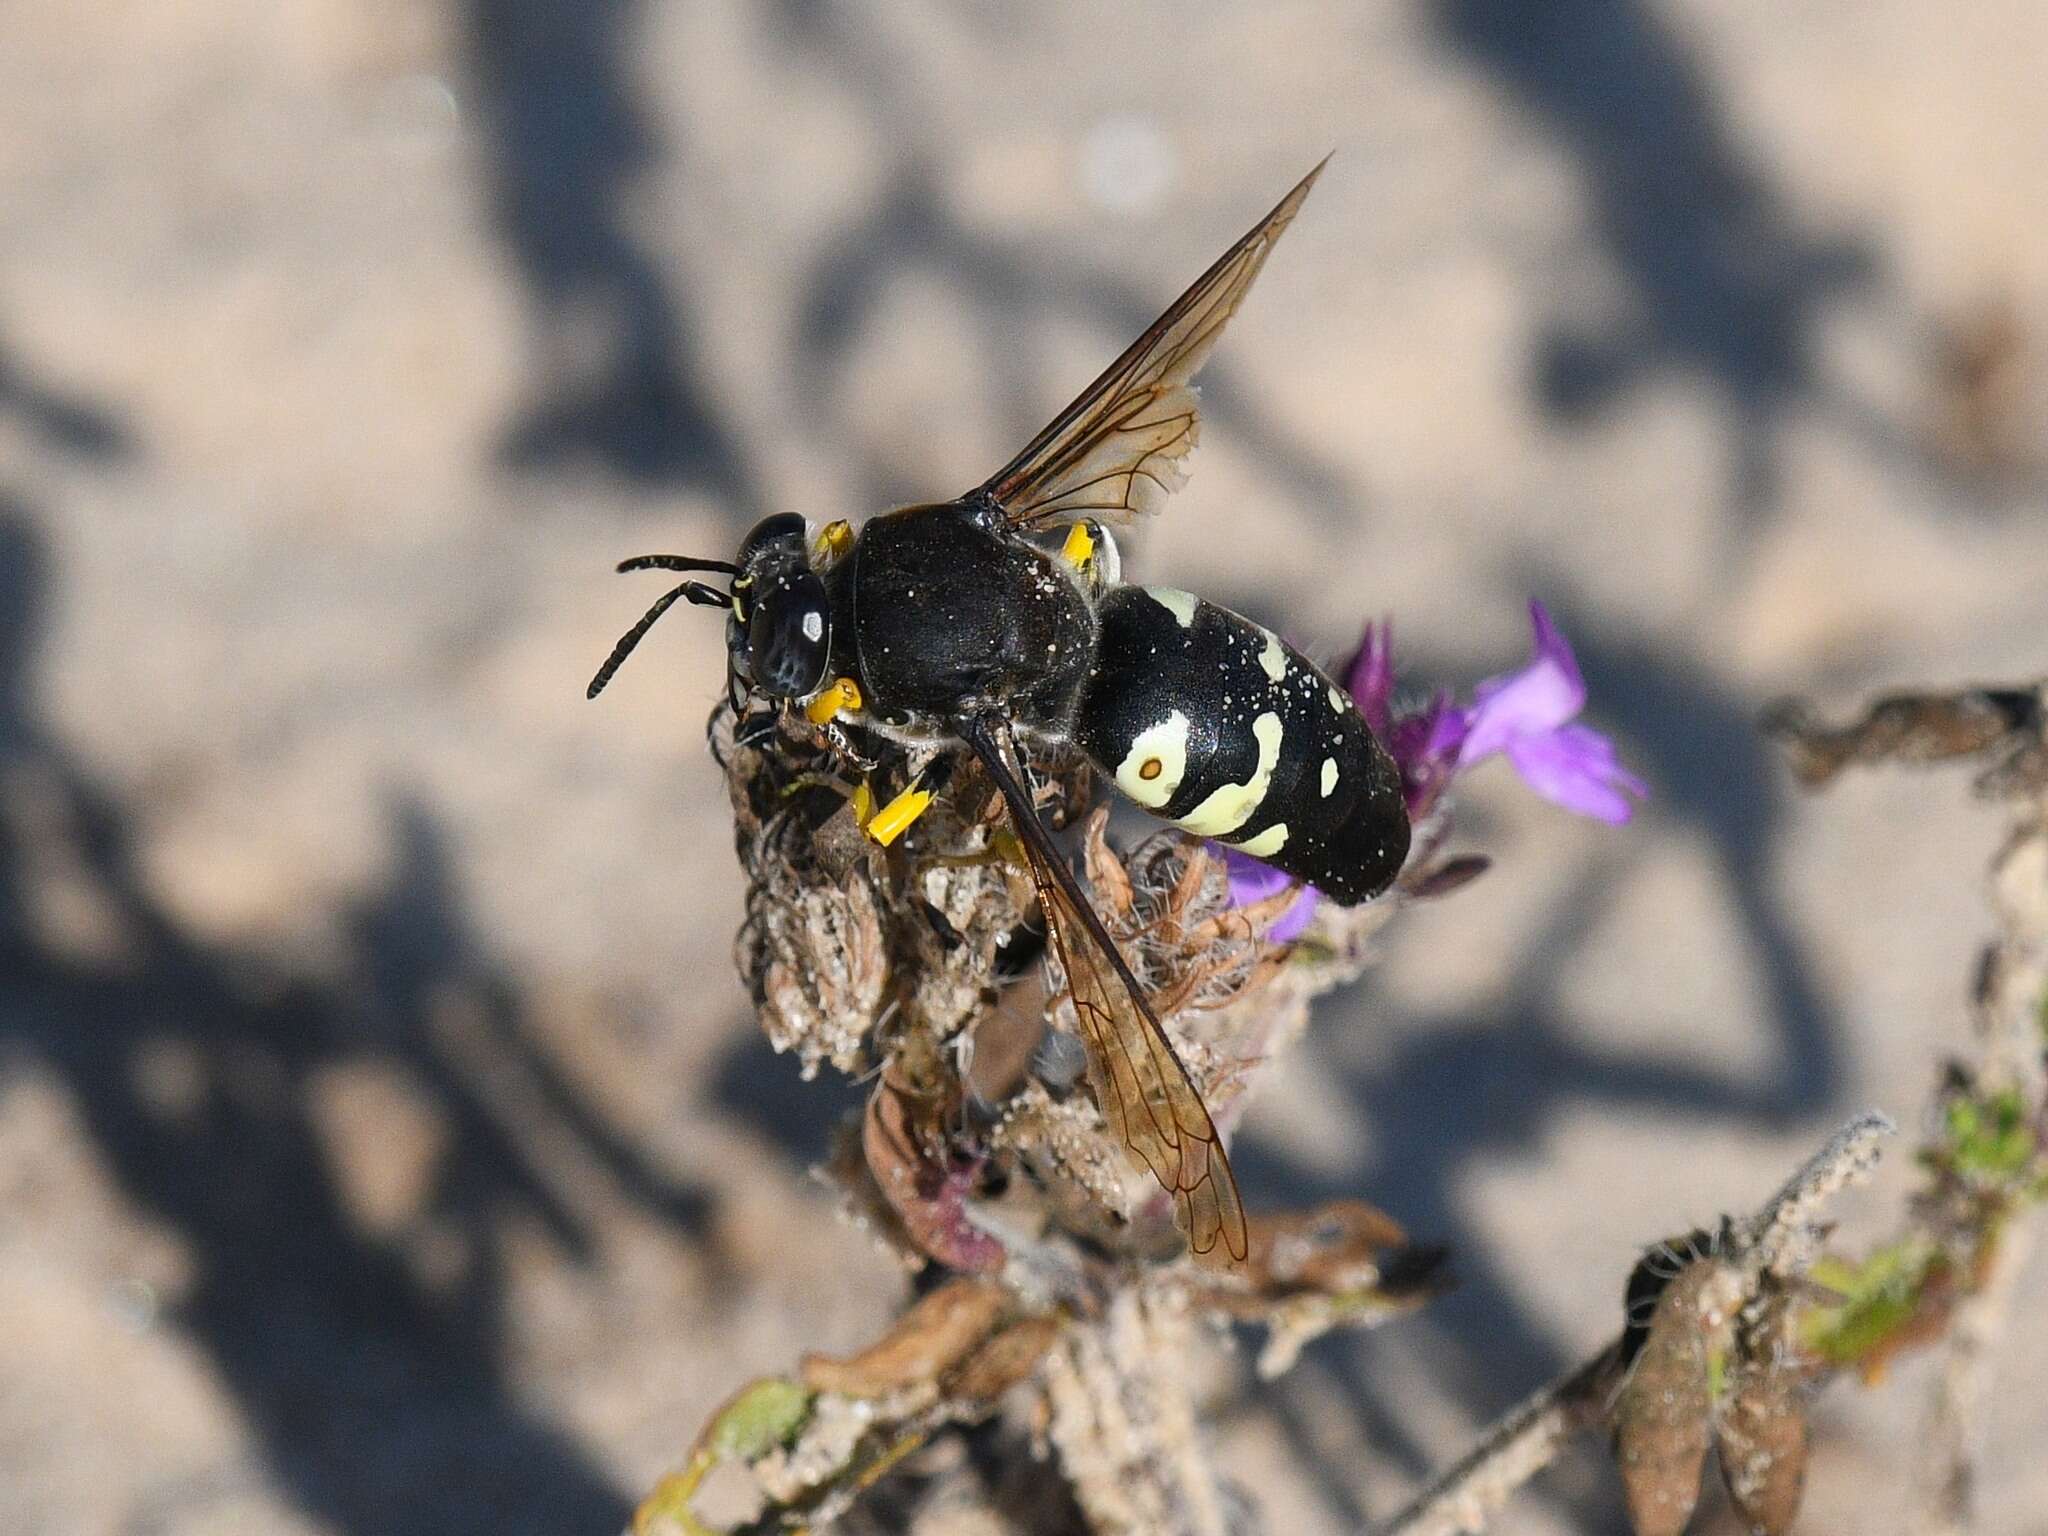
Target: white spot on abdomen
[(1164, 745), (1337, 700), (1329, 776), (1228, 808), (1273, 657), (1180, 604), (1267, 843)]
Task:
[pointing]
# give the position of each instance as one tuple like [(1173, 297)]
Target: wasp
[(971, 623)]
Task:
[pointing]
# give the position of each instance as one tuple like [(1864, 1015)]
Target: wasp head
[(778, 629), (779, 636)]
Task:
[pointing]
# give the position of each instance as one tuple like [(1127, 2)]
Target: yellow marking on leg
[(891, 821), (842, 694), (1231, 807), (863, 804)]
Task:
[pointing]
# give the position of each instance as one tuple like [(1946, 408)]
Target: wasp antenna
[(676, 563), (632, 636)]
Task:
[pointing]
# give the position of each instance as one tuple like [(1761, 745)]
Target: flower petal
[(1371, 678), (1577, 767), (1252, 880), (1545, 694)]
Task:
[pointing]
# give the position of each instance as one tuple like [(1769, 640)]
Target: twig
[(1955, 1421), (1523, 1442), (1530, 1436), (1777, 1237), (2014, 979)]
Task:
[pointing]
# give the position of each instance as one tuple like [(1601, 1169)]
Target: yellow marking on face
[(832, 701), (890, 822), (1267, 843), (1228, 808), (1180, 604), (1273, 657), (834, 540), (1162, 748), (1079, 548), (1329, 776)]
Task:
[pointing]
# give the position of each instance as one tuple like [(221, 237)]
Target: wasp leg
[(842, 746), (823, 711), (893, 819), (755, 729)]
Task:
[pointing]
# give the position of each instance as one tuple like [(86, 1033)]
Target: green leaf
[(1879, 1297), (1989, 1140), (763, 1416)]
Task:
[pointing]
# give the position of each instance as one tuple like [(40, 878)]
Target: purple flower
[(1252, 881), (1527, 716)]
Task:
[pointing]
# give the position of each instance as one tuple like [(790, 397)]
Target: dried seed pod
[(1763, 1441), (1664, 1415), (819, 964)]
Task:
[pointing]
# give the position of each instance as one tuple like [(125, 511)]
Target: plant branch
[(1530, 1436)]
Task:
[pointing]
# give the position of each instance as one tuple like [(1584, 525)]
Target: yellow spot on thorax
[(834, 540), (1079, 548)]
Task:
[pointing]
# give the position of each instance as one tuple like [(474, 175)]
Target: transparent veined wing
[(1143, 1089), (1119, 449)]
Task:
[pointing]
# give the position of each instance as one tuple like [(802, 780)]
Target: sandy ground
[(384, 1146)]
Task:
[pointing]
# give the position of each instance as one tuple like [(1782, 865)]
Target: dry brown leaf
[(929, 1199), (1107, 876), (1004, 1360), (936, 1334)]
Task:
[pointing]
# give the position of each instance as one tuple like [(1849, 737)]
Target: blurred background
[(385, 1145)]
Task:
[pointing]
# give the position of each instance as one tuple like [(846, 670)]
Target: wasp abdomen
[(1218, 725)]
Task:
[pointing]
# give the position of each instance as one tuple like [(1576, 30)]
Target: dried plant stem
[(1775, 1239), (2014, 982), (1125, 1425), (1521, 1444), (1530, 1436), (1955, 1420)]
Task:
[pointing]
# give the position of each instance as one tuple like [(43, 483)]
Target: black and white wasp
[(959, 622)]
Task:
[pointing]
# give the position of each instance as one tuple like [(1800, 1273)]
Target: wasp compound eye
[(789, 639)]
